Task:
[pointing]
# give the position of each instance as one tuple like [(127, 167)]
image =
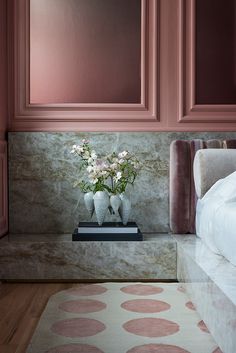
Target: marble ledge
[(57, 257)]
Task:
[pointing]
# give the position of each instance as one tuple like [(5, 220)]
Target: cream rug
[(122, 318)]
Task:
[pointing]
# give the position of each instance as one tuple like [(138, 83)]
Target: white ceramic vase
[(125, 208), (115, 203), (89, 202), (101, 203)]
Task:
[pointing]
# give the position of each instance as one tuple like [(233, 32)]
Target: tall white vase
[(89, 202), (115, 203), (101, 203), (125, 208)]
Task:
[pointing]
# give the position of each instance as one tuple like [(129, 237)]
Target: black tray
[(76, 236)]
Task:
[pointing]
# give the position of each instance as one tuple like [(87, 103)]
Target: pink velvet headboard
[(182, 197)]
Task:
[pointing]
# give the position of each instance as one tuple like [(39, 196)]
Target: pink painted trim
[(128, 126), (146, 111), (3, 185), (189, 111)]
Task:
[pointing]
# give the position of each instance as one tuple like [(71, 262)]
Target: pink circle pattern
[(141, 289), (202, 326), (190, 305), (77, 327), (82, 306), (75, 348), (145, 306), (85, 290), (151, 327), (157, 348)]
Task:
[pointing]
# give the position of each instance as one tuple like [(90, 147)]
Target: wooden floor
[(21, 305)]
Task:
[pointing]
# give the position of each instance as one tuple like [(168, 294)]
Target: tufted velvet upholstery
[(182, 197)]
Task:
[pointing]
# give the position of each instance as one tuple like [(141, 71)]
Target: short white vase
[(115, 203), (101, 203), (125, 208), (89, 202)]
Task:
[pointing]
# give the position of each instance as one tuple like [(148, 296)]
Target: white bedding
[(216, 218)]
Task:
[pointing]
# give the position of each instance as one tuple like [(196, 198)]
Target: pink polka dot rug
[(122, 318)]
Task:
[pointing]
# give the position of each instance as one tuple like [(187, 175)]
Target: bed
[(203, 193)]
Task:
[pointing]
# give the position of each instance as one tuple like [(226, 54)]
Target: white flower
[(104, 173), (89, 169), (93, 155), (114, 166), (123, 154), (118, 176), (121, 161), (74, 147), (79, 149), (93, 178), (86, 155), (115, 160), (90, 160)]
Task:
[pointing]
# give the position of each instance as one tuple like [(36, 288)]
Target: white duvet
[(216, 218)]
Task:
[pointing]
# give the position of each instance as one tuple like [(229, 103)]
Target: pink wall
[(3, 118), (170, 72), (85, 51)]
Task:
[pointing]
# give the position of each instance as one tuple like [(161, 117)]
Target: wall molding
[(189, 111), (168, 81), (3, 191), (25, 114)]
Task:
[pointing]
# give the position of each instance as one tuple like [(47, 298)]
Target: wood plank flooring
[(21, 305)]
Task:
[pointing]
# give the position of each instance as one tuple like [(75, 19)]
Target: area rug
[(122, 318)]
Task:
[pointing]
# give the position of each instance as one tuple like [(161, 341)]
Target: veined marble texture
[(42, 171), (45, 257), (210, 280)]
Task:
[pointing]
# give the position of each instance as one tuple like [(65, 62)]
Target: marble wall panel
[(42, 171)]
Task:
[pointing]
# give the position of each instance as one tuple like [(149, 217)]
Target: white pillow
[(224, 189), (222, 192)]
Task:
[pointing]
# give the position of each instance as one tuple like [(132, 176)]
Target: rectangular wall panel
[(3, 118), (3, 188)]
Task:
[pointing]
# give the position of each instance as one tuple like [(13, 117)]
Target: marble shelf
[(210, 281), (56, 257)]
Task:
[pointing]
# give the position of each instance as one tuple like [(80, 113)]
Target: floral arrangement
[(111, 173)]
